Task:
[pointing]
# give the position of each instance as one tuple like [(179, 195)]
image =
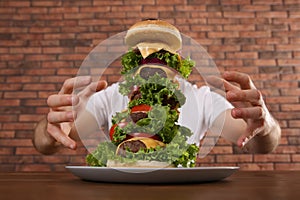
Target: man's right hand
[(64, 109)]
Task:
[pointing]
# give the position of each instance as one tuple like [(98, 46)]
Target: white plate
[(152, 175)]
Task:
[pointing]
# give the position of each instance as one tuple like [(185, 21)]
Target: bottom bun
[(139, 163)]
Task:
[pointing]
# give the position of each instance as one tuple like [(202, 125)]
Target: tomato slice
[(141, 108), (112, 129)]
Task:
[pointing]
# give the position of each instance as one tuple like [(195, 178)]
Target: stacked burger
[(147, 133)]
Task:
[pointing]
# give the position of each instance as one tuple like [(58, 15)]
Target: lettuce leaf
[(155, 90), (178, 153), (132, 59)]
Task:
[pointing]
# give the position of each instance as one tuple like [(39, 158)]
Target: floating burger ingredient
[(147, 133)]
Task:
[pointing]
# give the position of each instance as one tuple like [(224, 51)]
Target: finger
[(94, 87), (215, 82), (101, 85), (72, 83), (59, 117), (59, 100), (242, 79), (60, 137), (252, 96), (248, 113), (230, 87)]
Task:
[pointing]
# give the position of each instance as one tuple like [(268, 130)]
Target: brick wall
[(43, 42)]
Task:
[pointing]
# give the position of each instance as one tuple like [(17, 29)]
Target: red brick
[(256, 166), (272, 158), (219, 150), (8, 57), (91, 22), (255, 8), (242, 55), (227, 34), (289, 62), (255, 34), (40, 57), (265, 62), (269, 2), (291, 2), (21, 79), (19, 95), (187, 8), (32, 10), (234, 158), (203, 2), (287, 166), (238, 15), (63, 10), (225, 48), (15, 3), (26, 50), (206, 159), (294, 14), (259, 48), (285, 100), (52, 36), (26, 151), (7, 10), (95, 9), (44, 30), (107, 2), (173, 14), (70, 23), (67, 71), (10, 87), (72, 57), (16, 142), (7, 134), (173, 2), (77, 159), (6, 151), (80, 16), (58, 64), (205, 15), (4, 50), (281, 40), (47, 72), (291, 149), (57, 50), (294, 123), (239, 27), (8, 118), (47, 17), (272, 14), (142, 15), (296, 158)]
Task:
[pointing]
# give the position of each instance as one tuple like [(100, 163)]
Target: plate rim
[(152, 175), (154, 169)]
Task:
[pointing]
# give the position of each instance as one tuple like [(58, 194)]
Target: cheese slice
[(147, 48), (149, 142)]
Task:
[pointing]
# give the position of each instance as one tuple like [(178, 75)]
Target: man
[(242, 119)]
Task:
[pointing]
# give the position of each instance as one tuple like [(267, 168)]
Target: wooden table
[(272, 185)]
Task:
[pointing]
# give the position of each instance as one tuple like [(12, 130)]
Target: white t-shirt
[(198, 113)]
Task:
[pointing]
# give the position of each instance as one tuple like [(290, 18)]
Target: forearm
[(265, 142), (42, 141)]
